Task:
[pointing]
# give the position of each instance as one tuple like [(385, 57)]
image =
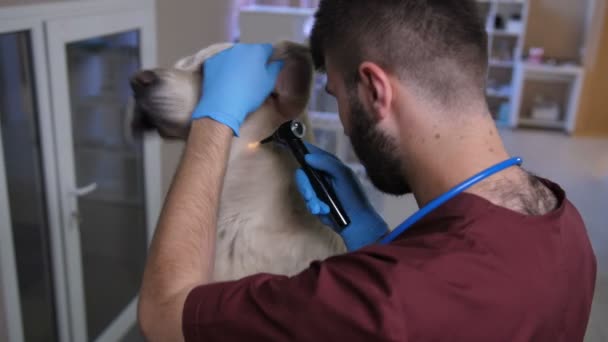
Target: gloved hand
[(236, 82), (366, 225)]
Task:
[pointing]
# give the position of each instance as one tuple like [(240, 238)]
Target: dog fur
[(264, 225)]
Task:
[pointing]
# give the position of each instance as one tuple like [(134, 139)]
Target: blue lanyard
[(434, 204)]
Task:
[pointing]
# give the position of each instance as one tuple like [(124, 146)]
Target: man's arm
[(236, 83), (181, 255)]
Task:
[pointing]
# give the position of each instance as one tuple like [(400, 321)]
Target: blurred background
[(79, 194)]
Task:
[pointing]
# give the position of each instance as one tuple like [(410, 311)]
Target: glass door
[(32, 285), (108, 208), (25, 187)]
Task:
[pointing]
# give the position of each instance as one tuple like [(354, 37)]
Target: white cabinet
[(79, 194), (562, 85)]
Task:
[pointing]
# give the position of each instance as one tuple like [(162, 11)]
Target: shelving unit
[(515, 85), (505, 46)]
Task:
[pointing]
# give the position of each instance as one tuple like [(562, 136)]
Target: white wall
[(558, 26), (184, 27)]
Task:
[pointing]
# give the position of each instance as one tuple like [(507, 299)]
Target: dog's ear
[(193, 63), (294, 85)]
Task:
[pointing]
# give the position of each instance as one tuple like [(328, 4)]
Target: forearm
[(182, 251)]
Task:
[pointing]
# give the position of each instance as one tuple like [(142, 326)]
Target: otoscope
[(290, 135)]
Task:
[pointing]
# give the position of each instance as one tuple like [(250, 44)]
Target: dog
[(264, 225)]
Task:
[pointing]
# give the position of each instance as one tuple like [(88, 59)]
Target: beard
[(377, 152)]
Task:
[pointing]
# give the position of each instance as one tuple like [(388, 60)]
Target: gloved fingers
[(317, 207), (324, 208), (314, 204), (304, 186), (236, 82), (231, 61), (254, 51), (313, 207), (274, 69), (266, 48), (314, 148)]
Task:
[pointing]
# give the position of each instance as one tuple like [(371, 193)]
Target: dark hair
[(438, 45)]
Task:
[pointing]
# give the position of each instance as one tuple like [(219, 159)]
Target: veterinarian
[(507, 260)]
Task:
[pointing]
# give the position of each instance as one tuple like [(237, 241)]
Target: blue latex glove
[(236, 82), (366, 225)]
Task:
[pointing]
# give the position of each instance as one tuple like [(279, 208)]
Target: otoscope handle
[(321, 186)]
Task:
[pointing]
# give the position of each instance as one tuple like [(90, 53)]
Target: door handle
[(85, 190), (80, 192)]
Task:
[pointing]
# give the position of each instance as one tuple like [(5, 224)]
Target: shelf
[(557, 70), (529, 122)]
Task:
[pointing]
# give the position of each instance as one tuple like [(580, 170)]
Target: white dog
[(263, 226)]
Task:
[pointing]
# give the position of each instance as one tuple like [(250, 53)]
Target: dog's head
[(166, 98)]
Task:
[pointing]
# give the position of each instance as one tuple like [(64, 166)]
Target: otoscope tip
[(267, 140)]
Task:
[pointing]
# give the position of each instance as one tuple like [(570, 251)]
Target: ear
[(190, 69), (375, 89), (193, 63), (294, 84)]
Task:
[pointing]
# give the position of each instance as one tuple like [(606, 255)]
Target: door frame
[(9, 287), (47, 139), (60, 32)]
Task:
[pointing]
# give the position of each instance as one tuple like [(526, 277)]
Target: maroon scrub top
[(469, 271)]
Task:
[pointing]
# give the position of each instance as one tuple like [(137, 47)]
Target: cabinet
[(79, 194), (560, 84)]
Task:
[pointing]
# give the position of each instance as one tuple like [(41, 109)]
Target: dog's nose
[(142, 80)]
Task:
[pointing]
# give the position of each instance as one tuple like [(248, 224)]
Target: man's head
[(379, 52)]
